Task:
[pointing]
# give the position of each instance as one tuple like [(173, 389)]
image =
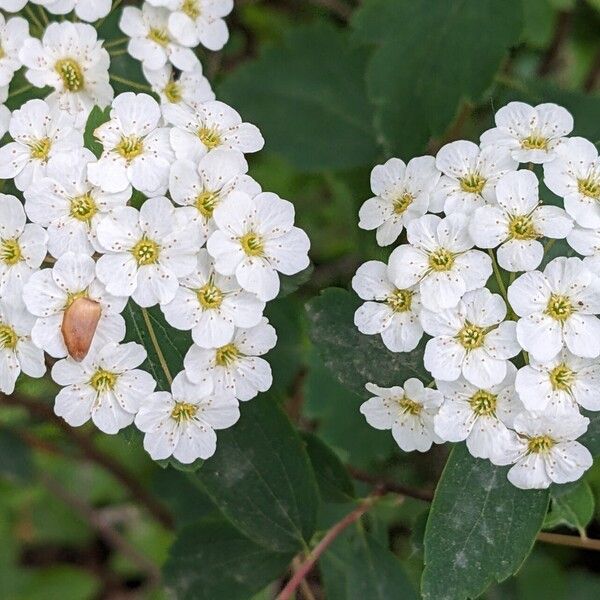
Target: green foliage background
[(336, 86)]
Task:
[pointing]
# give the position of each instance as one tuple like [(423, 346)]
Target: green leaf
[(261, 478), (211, 560), (417, 83), (307, 95), (290, 283), (16, 462), (591, 438), (480, 528), (356, 359), (573, 507), (97, 117)]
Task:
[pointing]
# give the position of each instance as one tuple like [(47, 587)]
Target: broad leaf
[(573, 507), (480, 528), (97, 117)]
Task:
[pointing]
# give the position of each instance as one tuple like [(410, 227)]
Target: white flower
[(17, 351), (182, 423), (440, 260), (151, 41), (469, 176), (257, 239), (12, 5), (389, 311), (49, 293), (86, 10), (517, 223), (67, 204), (531, 134), (557, 309), (408, 412), (587, 243), (136, 150), (546, 452), (212, 305), (22, 246), (194, 22), (235, 368), (190, 87), (146, 251), (210, 125), (479, 415), (70, 59), (575, 176), (560, 385), (13, 34), (106, 387), (471, 339), (402, 193), (39, 133), (206, 184)]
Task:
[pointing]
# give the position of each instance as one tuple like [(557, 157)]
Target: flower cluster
[(514, 357), (166, 215)]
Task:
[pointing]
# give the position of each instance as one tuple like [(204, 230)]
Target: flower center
[(40, 149), (471, 336), (146, 252), (172, 92), (226, 355), (10, 252), (210, 296), (590, 187), (103, 381), (72, 296), (190, 8), (8, 337), (559, 307), (71, 74), (441, 260), (160, 36), (483, 403), (539, 444), (184, 411), (130, 147), (83, 208), (400, 301), (252, 244), (561, 377), (472, 183), (535, 142), (402, 203), (409, 406), (206, 203), (521, 228), (210, 137)]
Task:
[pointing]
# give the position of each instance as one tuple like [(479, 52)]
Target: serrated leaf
[(97, 117), (480, 528), (573, 507), (353, 358)]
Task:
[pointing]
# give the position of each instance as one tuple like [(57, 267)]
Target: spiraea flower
[(182, 423), (22, 245), (106, 387), (39, 133), (237, 367), (13, 33), (86, 10), (587, 243), (516, 224), (408, 411), (136, 150), (70, 59), (151, 42), (146, 251), (440, 260), (50, 293), (212, 306), (389, 311), (470, 175), (68, 205), (211, 125), (256, 240), (402, 192), (529, 133), (557, 309)]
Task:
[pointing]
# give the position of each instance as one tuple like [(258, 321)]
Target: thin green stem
[(21, 90), (113, 8), (116, 53), (43, 15), (549, 245), (112, 43), (498, 275), (34, 19), (129, 82), (156, 345)]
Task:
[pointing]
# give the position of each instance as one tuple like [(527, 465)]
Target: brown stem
[(561, 33), (390, 486), (593, 75), (568, 540), (337, 7)]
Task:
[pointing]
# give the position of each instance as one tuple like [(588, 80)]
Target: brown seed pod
[(79, 326)]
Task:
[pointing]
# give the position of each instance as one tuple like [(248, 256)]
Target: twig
[(390, 486), (593, 75), (304, 587), (569, 540), (561, 33)]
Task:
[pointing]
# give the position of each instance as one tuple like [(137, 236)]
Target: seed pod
[(79, 326)]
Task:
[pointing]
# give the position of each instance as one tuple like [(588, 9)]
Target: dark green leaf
[(573, 507), (307, 94), (97, 117), (261, 478), (15, 458), (290, 283), (211, 560), (591, 439), (480, 528)]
